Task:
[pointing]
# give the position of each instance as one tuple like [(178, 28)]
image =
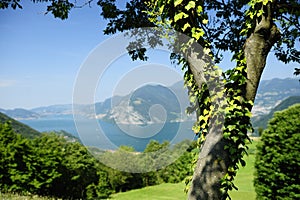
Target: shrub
[(277, 161)]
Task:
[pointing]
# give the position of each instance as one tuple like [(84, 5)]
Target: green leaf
[(197, 33), (204, 21), (199, 9), (180, 16), (205, 112), (260, 12), (243, 163), (265, 2), (177, 2), (190, 5), (187, 25), (196, 129)]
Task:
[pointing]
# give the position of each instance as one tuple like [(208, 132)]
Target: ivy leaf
[(196, 129), (260, 12), (243, 163), (177, 2), (199, 9), (179, 16), (265, 2), (190, 5), (204, 21), (197, 33), (187, 25)]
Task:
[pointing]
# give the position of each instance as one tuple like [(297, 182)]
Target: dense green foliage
[(169, 191), (47, 165), (51, 165), (277, 161), (15, 173)]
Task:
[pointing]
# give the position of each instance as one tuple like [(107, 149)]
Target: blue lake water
[(110, 136)]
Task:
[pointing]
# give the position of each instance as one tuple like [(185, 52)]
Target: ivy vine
[(177, 14)]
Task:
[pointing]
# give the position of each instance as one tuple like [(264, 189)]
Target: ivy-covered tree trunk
[(213, 161), (210, 169)]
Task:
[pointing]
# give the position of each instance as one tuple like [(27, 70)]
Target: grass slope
[(159, 192), (244, 178), (167, 191)]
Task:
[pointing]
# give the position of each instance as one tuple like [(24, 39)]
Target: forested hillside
[(19, 127)]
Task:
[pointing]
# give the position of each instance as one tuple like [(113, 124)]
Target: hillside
[(19, 113), (19, 127), (147, 104), (262, 121)]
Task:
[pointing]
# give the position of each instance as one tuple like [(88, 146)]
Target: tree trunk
[(257, 48), (213, 160), (211, 167)]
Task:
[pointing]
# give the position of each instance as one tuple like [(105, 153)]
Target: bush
[(277, 161)]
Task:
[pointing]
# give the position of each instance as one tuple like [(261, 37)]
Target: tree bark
[(257, 48), (211, 167), (213, 160)]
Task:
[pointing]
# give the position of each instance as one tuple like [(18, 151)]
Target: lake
[(110, 136)]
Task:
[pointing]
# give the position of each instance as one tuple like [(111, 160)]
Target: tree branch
[(83, 5)]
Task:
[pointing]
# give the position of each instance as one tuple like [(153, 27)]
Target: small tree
[(277, 161), (14, 161)]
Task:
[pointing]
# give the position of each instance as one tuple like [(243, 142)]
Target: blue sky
[(40, 56)]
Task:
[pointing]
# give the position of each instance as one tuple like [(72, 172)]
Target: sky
[(42, 57)]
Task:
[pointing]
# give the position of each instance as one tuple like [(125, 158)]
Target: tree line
[(53, 166)]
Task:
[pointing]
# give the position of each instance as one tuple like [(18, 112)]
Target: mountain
[(271, 92), (146, 105), (142, 105), (263, 120), (19, 127), (20, 114), (54, 111)]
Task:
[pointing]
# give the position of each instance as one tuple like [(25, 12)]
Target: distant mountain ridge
[(20, 113), (271, 92), (134, 107), (262, 121), (148, 104)]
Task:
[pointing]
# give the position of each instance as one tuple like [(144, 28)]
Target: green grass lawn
[(244, 178), (164, 191), (167, 191)]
